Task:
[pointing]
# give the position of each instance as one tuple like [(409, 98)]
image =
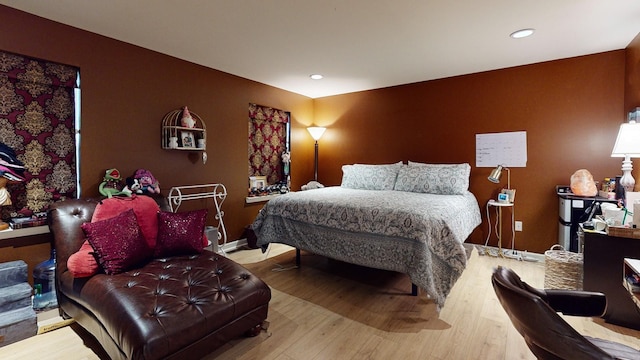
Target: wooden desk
[(603, 271)]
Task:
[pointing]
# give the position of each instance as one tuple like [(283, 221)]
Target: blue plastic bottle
[(44, 283)]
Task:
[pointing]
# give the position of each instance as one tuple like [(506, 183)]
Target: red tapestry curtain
[(37, 121), (267, 142)]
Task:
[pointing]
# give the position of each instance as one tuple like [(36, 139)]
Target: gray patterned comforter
[(417, 234)]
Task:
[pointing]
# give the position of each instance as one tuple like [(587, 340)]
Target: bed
[(411, 218)]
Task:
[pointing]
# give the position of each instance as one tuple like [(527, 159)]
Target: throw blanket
[(417, 234)]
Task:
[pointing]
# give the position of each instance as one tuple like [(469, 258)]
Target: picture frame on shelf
[(188, 140), (257, 182)]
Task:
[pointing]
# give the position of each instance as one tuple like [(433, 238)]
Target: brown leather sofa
[(179, 307)]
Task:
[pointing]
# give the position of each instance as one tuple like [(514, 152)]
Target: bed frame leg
[(414, 290), (297, 257)]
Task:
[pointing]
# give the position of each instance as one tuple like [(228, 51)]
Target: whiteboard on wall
[(505, 148)]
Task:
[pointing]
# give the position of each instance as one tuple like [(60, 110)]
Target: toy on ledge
[(148, 183), (133, 186), (111, 184)]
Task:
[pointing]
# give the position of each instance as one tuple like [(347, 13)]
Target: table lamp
[(495, 176), (627, 146)]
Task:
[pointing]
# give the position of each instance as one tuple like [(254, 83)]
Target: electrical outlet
[(518, 225)]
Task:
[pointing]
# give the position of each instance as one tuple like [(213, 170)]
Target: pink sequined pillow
[(180, 233), (118, 242), (145, 208)]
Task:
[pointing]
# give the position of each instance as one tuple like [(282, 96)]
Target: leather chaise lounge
[(176, 307)]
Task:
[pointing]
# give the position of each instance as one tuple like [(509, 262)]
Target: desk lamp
[(627, 146), (495, 176)]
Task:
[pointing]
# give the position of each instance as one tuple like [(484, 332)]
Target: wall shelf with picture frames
[(179, 136)]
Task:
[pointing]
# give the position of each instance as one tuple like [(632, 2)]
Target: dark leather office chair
[(534, 313)]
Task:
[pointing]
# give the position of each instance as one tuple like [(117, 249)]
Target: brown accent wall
[(126, 91), (569, 108), (632, 84)]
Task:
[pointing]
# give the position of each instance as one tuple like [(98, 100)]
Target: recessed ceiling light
[(316, 76), (522, 33)]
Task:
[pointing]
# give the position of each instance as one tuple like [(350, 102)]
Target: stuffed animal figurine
[(312, 185), (187, 121), (111, 184), (148, 183), (132, 187)]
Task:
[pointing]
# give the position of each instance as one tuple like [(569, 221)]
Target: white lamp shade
[(628, 141), (316, 132)]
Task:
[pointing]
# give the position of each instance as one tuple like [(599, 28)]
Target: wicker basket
[(562, 269)]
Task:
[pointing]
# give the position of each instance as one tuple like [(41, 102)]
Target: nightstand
[(498, 206)]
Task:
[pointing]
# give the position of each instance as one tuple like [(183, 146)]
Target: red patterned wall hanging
[(37, 120)]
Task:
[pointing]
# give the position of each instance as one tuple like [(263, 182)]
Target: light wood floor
[(360, 318)]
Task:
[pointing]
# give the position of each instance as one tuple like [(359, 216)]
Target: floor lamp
[(316, 133)]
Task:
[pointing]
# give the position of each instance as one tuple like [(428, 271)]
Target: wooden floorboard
[(332, 310)]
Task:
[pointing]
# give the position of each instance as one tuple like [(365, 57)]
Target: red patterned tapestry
[(37, 121), (267, 142)]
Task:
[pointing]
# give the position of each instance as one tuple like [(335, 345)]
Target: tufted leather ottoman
[(175, 307)]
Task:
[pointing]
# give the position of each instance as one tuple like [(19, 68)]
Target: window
[(269, 139)]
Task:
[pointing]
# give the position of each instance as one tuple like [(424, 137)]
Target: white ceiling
[(356, 44)]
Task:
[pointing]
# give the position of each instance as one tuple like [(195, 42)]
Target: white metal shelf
[(216, 192), (171, 127)]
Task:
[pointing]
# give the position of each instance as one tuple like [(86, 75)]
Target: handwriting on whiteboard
[(505, 148)]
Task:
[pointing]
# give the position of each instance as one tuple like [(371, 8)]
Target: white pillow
[(370, 177), (443, 179)]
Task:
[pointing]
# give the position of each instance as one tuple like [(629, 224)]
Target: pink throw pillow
[(180, 233), (118, 242), (145, 208), (82, 263)]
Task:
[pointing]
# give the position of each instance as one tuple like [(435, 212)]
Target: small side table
[(498, 225)]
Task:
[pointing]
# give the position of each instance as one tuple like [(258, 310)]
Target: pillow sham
[(442, 179), (180, 233), (118, 242), (370, 177)]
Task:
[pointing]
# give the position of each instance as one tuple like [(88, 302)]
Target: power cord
[(278, 267)]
